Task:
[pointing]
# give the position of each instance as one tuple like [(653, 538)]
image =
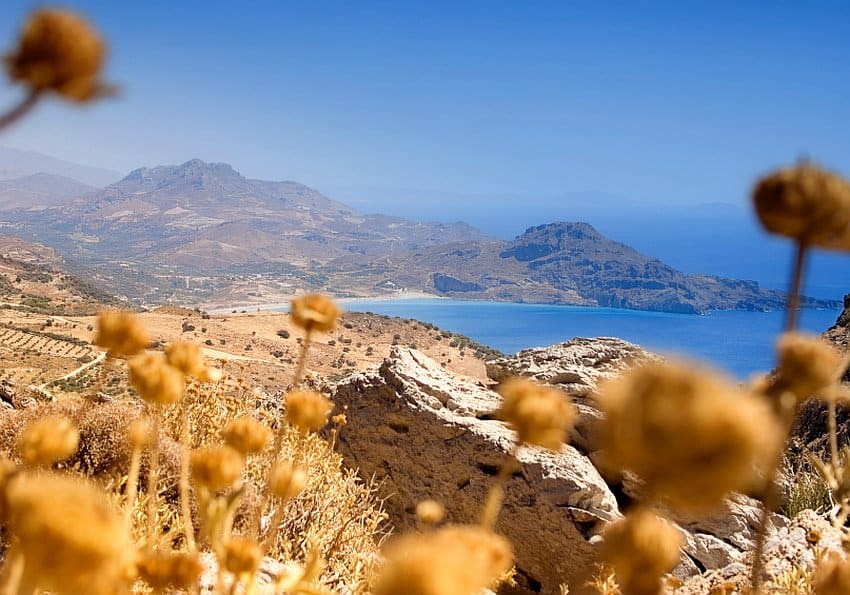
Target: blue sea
[(741, 343)]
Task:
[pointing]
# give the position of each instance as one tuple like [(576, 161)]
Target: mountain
[(40, 190), (563, 263), (15, 163), (201, 232)]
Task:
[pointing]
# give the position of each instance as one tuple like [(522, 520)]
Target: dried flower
[(307, 410), (120, 333), (540, 415), (186, 357), (805, 203), (242, 557), (247, 435), (210, 375), (430, 512), (155, 380), (287, 480), (315, 312), (454, 560), (641, 548), (688, 434), (48, 440), (72, 539), (216, 467), (832, 575), (140, 432), (807, 365), (340, 420), (176, 570), (59, 51)]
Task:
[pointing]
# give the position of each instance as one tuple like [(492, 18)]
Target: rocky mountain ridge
[(201, 232)]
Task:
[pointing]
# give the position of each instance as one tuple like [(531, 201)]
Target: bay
[(740, 343)]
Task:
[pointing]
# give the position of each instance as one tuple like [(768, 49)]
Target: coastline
[(284, 305)]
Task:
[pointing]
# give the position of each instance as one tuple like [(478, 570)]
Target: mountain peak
[(194, 172)]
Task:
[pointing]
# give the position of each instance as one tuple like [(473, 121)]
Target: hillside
[(40, 190), (203, 233)]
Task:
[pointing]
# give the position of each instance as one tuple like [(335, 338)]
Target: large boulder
[(429, 434)]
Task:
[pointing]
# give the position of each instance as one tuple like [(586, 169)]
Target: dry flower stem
[(185, 505), (788, 413), (132, 489), (496, 494), (796, 283), (153, 472), (20, 110)]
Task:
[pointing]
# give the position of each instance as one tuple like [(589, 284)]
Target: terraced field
[(16, 340)]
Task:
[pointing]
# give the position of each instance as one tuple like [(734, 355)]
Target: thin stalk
[(185, 504), (496, 494), (153, 473), (770, 499), (793, 304), (20, 110), (132, 490), (833, 432), (300, 366)]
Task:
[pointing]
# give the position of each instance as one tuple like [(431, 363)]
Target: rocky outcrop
[(428, 434), (577, 367)]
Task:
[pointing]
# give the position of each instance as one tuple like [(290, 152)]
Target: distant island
[(202, 233)]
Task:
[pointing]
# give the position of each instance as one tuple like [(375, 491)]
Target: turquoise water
[(739, 342)]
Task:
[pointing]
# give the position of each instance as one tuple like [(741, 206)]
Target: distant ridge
[(201, 232), (16, 163)]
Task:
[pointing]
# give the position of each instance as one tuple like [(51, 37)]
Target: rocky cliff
[(427, 433)]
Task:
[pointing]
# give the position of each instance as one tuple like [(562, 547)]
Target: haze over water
[(740, 343)]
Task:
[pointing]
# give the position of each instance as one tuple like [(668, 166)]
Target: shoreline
[(283, 306)]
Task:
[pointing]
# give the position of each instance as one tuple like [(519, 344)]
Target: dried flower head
[(216, 467), (48, 440), (120, 333), (186, 357), (241, 556), (140, 432), (175, 570), (155, 380), (72, 539), (210, 374), (832, 575), (540, 415), (807, 365), (688, 434), (641, 548), (247, 435), (287, 480), (59, 51), (430, 512), (454, 560), (315, 312), (307, 410), (805, 203)]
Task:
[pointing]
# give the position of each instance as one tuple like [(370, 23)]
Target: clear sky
[(674, 102)]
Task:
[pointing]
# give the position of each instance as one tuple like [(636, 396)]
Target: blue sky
[(679, 102)]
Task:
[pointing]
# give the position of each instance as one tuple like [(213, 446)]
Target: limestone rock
[(576, 366), (429, 434)]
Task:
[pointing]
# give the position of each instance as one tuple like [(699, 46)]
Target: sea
[(739, 343)]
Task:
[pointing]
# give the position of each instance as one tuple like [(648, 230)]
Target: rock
[(429, 434), (793, 546), (577, 367)]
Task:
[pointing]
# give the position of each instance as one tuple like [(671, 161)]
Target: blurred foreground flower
[(540, 415), (689, 435), (59, 52), (315, 312)]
